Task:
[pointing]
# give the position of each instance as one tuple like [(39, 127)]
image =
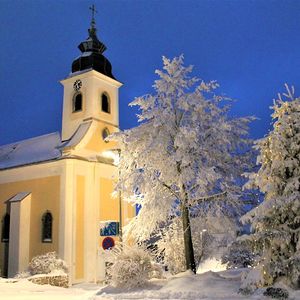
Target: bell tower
[(91, 92)]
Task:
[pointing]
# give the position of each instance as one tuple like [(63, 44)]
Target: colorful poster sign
[(109, 228)]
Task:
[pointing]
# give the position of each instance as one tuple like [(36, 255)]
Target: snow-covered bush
[(238, 255), (294, 271), (276, 221), (252, 279), (46, 263), (131, 266), (276, 293)]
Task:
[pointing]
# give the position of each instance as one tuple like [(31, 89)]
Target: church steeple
[(92, 53), (93, 22)]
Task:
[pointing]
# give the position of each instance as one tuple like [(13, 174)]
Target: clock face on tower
[(77, 85)]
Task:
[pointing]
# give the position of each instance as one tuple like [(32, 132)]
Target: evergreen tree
[(276, 222), (186, 151)]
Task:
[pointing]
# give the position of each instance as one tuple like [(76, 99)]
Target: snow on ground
[(207, 286), (211, 264), (11, 289)]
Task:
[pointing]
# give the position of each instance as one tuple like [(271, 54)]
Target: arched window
[(105, 134), (47, 227), (105, 103), (77, 102), (5, 228)]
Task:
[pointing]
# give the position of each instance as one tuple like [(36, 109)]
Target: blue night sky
[(250, 47)]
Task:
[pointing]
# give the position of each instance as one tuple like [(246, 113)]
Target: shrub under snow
[(276, 293), (132, 266), (251, 280), (239, 255), (47, 263)]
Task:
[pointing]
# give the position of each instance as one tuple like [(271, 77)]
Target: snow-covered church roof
[(34, 150), (39, 149)]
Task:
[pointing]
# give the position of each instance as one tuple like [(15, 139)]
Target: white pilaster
[(66, 237)]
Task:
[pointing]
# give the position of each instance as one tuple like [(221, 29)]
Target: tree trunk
[(187, 233), (187, 236)]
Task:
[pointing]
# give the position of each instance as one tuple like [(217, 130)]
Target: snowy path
[(207, 286)]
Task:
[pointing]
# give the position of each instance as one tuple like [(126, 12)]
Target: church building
[(56, 190)]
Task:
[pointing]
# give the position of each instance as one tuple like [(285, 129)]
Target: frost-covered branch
[(214, 197)]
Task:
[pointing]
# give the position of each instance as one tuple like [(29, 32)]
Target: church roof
[(34, 150), (77, 136), (39, 149)]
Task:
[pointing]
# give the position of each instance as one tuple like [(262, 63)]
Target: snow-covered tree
[(276, 222), (185, 152)]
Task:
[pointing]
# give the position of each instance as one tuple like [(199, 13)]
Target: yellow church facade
[(56, 190)]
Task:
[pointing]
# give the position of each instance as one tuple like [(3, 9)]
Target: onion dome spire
[(92, 49)]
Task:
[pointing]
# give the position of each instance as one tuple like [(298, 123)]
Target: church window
[(77, 102), (47, 227), (105, 134), (105, 103), (5, 228)]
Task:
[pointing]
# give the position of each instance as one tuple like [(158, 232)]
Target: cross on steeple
[(94, 11)]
